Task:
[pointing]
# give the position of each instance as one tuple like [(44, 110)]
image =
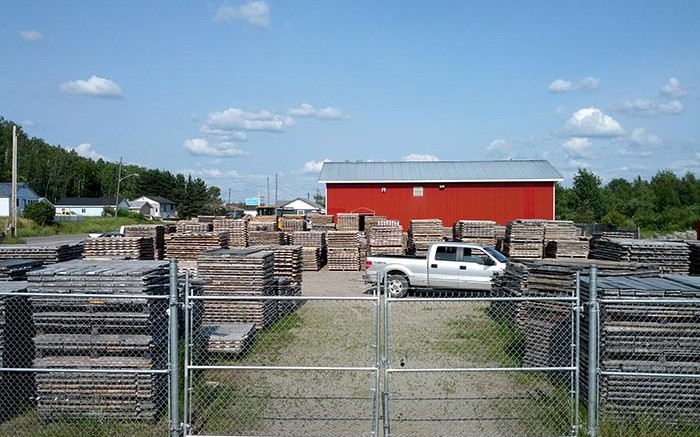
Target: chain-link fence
[(85, 351), (90, 352), (648, 354), (293, 366), (469, 367)]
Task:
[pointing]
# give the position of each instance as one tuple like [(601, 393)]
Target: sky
[(253, 96)]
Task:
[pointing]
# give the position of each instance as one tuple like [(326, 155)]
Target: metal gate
[(377, 366), (244, 379), (484, 367)]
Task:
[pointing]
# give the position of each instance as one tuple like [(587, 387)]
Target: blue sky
[(236, 92)]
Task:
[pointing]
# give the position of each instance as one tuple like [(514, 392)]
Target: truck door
[(443, 270), (475, 269)]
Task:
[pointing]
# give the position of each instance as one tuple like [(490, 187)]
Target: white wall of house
[(166, 211), (25, 196), (87, 210)]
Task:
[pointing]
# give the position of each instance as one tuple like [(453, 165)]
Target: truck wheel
[(397, 286)]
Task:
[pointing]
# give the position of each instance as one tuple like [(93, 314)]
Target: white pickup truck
[(449, 265)]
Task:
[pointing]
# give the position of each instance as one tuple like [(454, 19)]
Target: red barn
[(448, 190)]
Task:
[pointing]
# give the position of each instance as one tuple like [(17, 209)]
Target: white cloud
[(588, 83), (673, 88), (592, 122), (86, 151), (225, 135), (214, 173), (234, 119), (31, 35), (201, 147), (420, 157), (636, 107), (93, 87), (561, 86), (578, 147), (313, 166), (308, 110), (641, 137), (303, 110), (255, 12), (330, 113), (674, 107)]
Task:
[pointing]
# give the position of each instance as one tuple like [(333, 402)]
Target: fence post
[(593, 312), (174, 363)]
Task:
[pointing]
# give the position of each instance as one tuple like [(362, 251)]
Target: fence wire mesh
[(649, 360), (83, 364), (283, 367), (468, 367)]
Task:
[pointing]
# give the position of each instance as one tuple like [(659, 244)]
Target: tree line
[(666, 203), (54, 173)]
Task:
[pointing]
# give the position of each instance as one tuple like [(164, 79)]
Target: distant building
[(88, 206), (25, 196), (447, 190), (161, 207), (141, 207), (297, 206)]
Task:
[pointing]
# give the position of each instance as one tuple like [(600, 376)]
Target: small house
[(25, 196), (161, 207), (88, 206)]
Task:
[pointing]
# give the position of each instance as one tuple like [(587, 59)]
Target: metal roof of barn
[(439, 171)]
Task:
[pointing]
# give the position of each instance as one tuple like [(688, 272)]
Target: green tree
[(587, 199), (40, 213), (319, 198)]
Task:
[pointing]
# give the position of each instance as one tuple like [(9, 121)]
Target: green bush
[(40, 213)]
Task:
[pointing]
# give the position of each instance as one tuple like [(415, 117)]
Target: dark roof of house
[(439, 171), (6, 188), (87, 201)]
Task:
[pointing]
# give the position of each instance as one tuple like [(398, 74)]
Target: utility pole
[(229, 196), (13, 209), (275, 188), (268, 190)]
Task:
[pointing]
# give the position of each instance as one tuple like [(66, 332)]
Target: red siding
[(500, 202)]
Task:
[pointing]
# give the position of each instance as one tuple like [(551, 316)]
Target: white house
[(298, 206), (88, 206), (140, 207), (25, 196), (162, 207)]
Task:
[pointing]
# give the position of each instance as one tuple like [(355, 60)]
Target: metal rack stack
[(671, 256), (49, 254), (237, 230), (118, 334), (313, 248), (119, 248)]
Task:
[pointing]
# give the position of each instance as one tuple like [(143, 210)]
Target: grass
[(27, 228)]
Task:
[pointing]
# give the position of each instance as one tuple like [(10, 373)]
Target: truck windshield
[(496, 254)]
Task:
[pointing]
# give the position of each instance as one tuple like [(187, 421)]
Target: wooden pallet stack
[(313, 248), (16, 269), (562, 239), (343, 250), (524, 239), (49, 254), (228, 338), (423, 233), (120, 334), (238, 272), (237, 230), (258, 224), (385, 237), (672, 256), (372, 220), (289, 224), (193, 226), (16, 349), (119, 248), (262, 238), (694, 247), (648, 338), (156, 232), (475, 231), (187, 245), (347, 222)]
